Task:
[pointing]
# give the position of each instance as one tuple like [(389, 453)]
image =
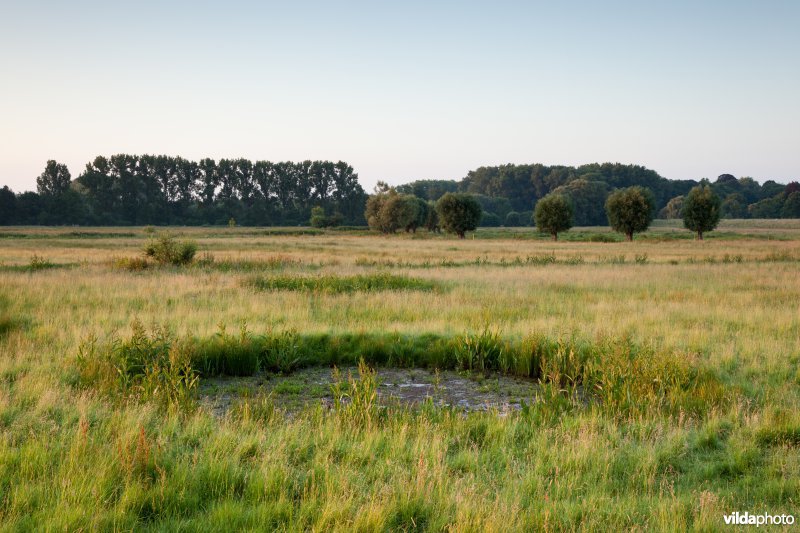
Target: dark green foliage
[(513, 220), (791, 207), (490, 220), (432, 218), (701, 210), (421, 210), (458, 213), (165, 250), (496, 205), (767, 208), (8, 206), (553, 214), (342, 284), (630, 210), (430, 190), (734, 206), (587, 198)]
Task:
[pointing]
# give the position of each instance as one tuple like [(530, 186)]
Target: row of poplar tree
[(150, 189)]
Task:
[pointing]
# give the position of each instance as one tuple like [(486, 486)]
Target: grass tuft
[(341, 284)]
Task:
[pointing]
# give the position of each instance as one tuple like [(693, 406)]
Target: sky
[(404, 90)]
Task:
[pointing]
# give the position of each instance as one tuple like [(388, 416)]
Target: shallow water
[(466, 391)]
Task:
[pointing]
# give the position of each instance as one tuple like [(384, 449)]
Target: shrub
[(165, 250), (458, 213), (388, 211), (701, 210), (39, 263), (320, 220), (630, 210), (554, 213)]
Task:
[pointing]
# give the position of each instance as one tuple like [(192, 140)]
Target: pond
[(459, 390)]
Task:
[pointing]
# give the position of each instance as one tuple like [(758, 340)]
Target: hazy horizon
[(405, 92)]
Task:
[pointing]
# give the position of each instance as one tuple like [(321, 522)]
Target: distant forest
[(508, 193), (136, 190)]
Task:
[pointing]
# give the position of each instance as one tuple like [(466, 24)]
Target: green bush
[(165, 250)]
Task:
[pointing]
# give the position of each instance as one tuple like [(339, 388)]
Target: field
[(664, 380)]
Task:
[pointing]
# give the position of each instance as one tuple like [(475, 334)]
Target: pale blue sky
[(405, 90)]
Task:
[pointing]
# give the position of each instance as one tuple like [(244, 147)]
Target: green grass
[(667, 388), (341, 284)]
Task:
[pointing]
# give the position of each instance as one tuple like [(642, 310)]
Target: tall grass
[(618, 375)]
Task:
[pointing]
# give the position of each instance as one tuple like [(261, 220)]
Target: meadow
[(666, 371)]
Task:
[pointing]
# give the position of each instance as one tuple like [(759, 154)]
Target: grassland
[(79, 450)]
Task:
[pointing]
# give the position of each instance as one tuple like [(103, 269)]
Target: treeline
[(148, 189), (508, 193)]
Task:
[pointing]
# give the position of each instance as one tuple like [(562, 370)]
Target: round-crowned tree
[(458, 213), (554, 213), (630, 210), (701, 210), (399, 211)]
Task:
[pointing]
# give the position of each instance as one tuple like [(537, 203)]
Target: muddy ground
[(465, 391)]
